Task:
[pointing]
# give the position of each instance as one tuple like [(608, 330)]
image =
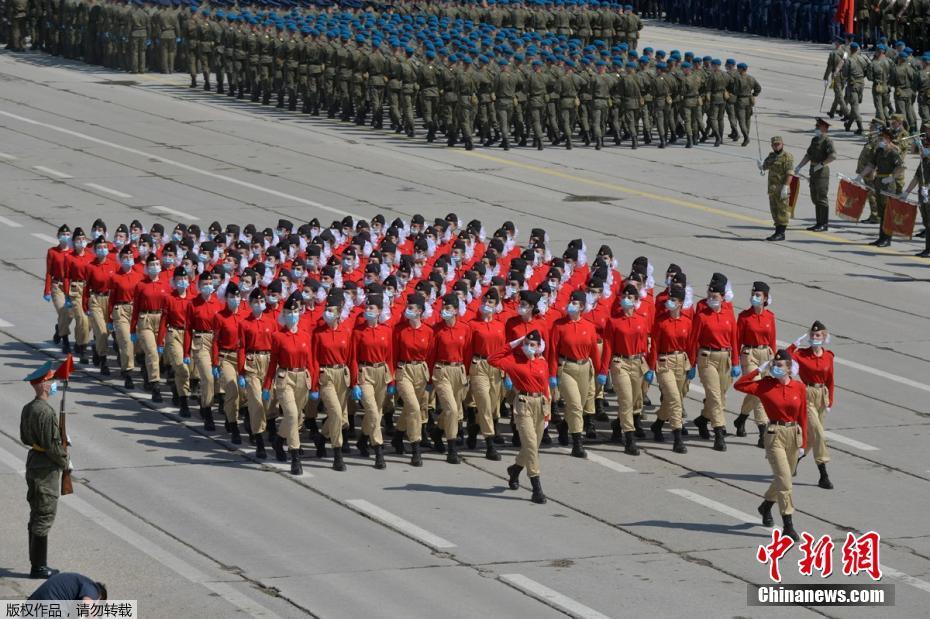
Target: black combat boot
[(778, 235), (206, 85), (379, 457), (319, 442), (638, 426), (489, 450), (678, 446), (578, 450), (397, 442), (235, 436), (701, 422), (345, 447), (438, 444), (656, 428), (761, 441), (260, 447), (629, 444), (452, 455), (338, 463), (156, 393), (720, 443), (515, 435), (81, 350), (296, 467), (207, 415), (513, 471), (362, 445), (39, 558), (740, 424), (127, 381), (471, 441), (277, 443), (193, 82), (788, 528), (600, 409), (563, 433), (765, 510), (824, 481), (416, 459), (538, 496), (184, 406), (689, 143), (590, 432)]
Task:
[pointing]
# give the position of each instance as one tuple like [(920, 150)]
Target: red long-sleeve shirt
[(149, 296), (782, 402), (814, 370), (451, 344), (574, 340), (122, 289), (487, 336), (200, 314), (625, 336), (756, 329), (714, 330), (599, 316), (225, 333), (372, 344), (174, 314), (331, 346), (411, 344), (669, 335), (55, 266), (98, 279), (255, 335), (288, 350), (76, 268), (529, 375)]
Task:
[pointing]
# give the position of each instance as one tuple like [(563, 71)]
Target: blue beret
[(716, 62), (707, 58), (647, 50), (631, 65), (881, 47), (644, 59), (686, 65), (600, 63), (899, 43), (853, 45), (502, 61), (904, 54), (742, 65), (730, 62), (537, 63), (661, 65)]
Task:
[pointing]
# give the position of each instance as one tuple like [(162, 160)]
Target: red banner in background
[(850, 199), (899, 218)]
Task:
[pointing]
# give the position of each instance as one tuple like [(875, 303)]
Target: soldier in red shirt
[(413, 342), (668, 358), (486, 382), (372, 373), (119, 310), (786, 433), (755, 329), (96, 299), (198, 343), (225, 358), (77, 263), (450, 362), (171, 338), (255, 333), (331, 355), (816, 372), (573, 355), (54, 290), (147, 307), (523, 360), (289, 374)]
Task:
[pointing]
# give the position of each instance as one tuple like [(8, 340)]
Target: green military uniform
[(537, 88), (568, 104), (854, 73), (717, 94), (377, 66), (834, 78), (664, 90), (691, 95), (779, 166), (466, 87), (888, 165), (904, 77), (408, 89), (315, 58), (647, 89), (879, 72), (632, 103), (746, 89), (601, 89), (17, 16), (430, 75), (505, 93), (865, 159), (139, 35), (820, 152)]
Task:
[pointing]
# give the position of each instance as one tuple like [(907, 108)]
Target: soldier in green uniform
[(505, 93), (315, 52), (691, 94), (854, 74), (38, 429), (664, 87), (394, 87), (568, 101), (168, 29), (449, 98), (632, 102), (922, 86), (408, 90), (232, 39), (903, 79), (717, 94), (646, 78), (466, 87), (746, 89), (820, 154), (293, 53), (879, 72), (486, 96), (779, 164), (865, 157), (921, 182), (430, 76), (537, 89), (833, 77), (280, 61), (17, 16), (520, 113), (139, 36), (585, 97), (885, 172), (266, 49), (602, 86)]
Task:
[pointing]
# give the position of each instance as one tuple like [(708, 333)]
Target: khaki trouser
[(122, 321), (671, 374), (256, 367), (61, 312), (147, 336), (81, 322), (174, 358), (450, 384), (229, 376), (781, 450), (291, 388), (486, 385), (575, 387), (529, 415), (97, 315), (714, 372), (750, 359), (202, 360), (817, 399), (373, 380), (626, 374), (334, 394), (411, 387)]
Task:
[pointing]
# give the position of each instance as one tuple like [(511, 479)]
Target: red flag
[(899, 218), (64, 370), (846, 14), (850, 200), (794, 190)]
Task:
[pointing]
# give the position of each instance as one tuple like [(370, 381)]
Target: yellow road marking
[(678, 202)]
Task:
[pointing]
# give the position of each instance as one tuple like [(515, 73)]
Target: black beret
[(760, 287)]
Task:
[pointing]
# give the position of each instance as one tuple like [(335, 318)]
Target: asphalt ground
[(185, 523)]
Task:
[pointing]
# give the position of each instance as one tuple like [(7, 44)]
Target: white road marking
[(605, 462), (4, 324), (551, 596), (51, 172), (7, 157), (46, 238), (716, 506), (404, 526), (112, 192), (165, 209), (224, 589), (905, 578), (10, 223), (839, 438), (178, 164)]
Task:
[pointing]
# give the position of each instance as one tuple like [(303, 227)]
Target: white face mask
[(529, 351)]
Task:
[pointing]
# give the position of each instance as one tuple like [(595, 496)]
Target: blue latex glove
[(429, 387), (508, 384), (391, 389), (650, 376), (109, 326), (601, 379), (216, 371), (47, 297), (356, 393), (177, 40), (314, 395), (736, 372), (692, 373), (134, 338), (161, 350), (553, 381), (266, 395), (187, 360), (241, 381), (68, 303)]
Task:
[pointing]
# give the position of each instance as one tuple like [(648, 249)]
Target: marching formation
[(512, 73), (434, 321)]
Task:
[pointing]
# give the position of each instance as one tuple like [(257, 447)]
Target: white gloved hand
[(797, 169), (817, 167), (759, 163), (784, 192), (764, 367), (801, 453), (801, 342), (925, 193), (826, 83), (858, 178), (70, 466), (828, 409), (887, 180)]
